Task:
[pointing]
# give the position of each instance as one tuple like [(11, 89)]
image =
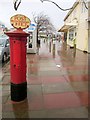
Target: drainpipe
[(88, 27)]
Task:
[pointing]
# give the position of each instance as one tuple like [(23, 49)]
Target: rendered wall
[(81, 28)]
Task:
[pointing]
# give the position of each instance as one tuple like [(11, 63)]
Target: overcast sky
[(27, 7)]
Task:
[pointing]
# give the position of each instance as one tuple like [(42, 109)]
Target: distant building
[(76, 26)]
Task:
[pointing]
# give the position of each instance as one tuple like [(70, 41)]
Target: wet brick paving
[(57, 84)]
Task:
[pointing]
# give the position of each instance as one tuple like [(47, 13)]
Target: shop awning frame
[(67, 26)]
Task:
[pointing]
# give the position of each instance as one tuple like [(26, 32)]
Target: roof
[(74, 5)]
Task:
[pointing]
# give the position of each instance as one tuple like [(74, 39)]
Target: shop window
[(71, 34), (75, 34)]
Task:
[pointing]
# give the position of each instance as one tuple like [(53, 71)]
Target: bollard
[(54, 45), (53, 50), (50, 46)]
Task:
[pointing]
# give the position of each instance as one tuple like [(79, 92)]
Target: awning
[(67, 26), (64, 28)]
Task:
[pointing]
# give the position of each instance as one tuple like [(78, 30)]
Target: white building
[(32, 39), (77, 26)]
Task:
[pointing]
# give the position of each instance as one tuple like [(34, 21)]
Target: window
[(75, 34), (83, 8), (7, 41), (30, 40), (71, 34)]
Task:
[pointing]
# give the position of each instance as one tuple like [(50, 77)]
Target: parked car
[(4, 48)]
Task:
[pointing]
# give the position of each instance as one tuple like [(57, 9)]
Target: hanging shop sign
[(32, 27), (20, 21)]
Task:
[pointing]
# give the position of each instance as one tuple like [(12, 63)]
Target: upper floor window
[(72, 33), (83, 8)]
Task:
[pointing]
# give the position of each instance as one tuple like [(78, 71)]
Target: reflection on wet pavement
[(57, 78)]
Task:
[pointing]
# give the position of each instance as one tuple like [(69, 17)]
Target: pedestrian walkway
[(57, 84)]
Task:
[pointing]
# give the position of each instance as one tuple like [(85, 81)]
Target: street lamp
[(56, 5)]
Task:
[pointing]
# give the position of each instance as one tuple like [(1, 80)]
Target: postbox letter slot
[(14, 65)]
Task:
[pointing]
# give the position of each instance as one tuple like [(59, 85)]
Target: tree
[(43, 24)]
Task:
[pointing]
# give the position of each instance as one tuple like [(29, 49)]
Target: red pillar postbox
[(18, 40)]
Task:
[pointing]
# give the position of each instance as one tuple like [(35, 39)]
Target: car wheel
[(4, 57)]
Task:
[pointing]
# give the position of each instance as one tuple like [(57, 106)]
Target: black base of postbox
[(18, 92)]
